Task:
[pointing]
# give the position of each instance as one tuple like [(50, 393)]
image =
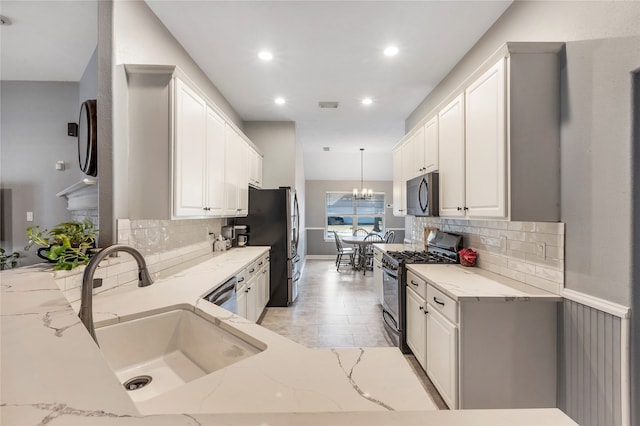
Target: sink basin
[(161, 352)]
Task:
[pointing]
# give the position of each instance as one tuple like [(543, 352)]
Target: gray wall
[(315, 216), (596, 128), (277, 142), (34, 136)]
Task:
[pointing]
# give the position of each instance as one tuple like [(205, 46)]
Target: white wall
[(596, 128)]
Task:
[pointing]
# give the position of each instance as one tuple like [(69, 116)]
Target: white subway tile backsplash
[(165, 244), (512, 249)]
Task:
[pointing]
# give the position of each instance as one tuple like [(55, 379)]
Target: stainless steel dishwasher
[(225, 295)]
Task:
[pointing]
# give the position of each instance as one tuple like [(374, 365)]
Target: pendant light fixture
[(363, 194)]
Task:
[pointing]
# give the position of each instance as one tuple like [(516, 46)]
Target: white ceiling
[(47, 40), (330, 51), (323, 51)]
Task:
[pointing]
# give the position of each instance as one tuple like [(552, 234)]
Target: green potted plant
[(67, 244), (8, 261)]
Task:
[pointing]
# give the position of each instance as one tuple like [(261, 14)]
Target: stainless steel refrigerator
[(273, 221)]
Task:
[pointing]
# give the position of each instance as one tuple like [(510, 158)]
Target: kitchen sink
[(160, 352)]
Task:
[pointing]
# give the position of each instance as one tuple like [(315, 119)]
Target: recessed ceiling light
[(391, 51), (367, 101), (279, 101), (265, 55)]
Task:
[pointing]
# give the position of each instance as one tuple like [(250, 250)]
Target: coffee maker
[(242, 236)]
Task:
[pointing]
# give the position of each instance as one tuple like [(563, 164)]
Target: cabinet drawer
[(242, 278), (260, 263), (443, 303), (377, 254), (252, 269), (417, 284)]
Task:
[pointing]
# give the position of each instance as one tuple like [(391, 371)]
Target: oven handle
[(393, 274), (394, 325)]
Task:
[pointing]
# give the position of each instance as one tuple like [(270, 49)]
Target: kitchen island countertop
[(53, 373)]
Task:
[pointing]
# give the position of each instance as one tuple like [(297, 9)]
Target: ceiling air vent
[(328, 104)]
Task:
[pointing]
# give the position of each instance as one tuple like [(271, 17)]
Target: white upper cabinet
[(255, 168), (451, 158), (498, 140), (416, 154), (485, 144), (236, 180), (431, 161), (184, 153), (190, 148), (403, 170), (215, 167)]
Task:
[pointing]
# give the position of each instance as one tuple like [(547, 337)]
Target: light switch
[(29, 216)]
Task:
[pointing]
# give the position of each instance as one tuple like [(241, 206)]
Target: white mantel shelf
[(82, 195)]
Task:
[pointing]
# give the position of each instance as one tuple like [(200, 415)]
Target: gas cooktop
[(424, 256), (442, 247)]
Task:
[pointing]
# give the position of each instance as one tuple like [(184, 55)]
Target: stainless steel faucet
[(86, 302)]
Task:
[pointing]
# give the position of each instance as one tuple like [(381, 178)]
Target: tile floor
[(336, 309)]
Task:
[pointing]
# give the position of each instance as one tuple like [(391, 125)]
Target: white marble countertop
[(465, 284), (53, 373)]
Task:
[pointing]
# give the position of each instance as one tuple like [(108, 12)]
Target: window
[(344, 214)]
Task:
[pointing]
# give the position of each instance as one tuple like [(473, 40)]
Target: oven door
[(390, 304)]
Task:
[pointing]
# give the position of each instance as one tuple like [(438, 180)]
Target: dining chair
[(360, 232), (389, 237), (367, 252), (342, 251)]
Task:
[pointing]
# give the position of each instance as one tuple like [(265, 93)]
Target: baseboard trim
[(320, 257)]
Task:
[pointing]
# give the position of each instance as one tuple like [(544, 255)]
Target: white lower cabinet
[(483, 353), (253, 297), (252, 300), (442, 355), (417, 326)]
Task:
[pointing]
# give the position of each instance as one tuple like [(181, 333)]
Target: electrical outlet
[(29, 216), (541, 250)]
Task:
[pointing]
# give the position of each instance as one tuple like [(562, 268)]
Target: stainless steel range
[(442, 247)]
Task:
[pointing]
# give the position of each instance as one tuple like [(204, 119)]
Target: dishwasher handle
[(223, 293)]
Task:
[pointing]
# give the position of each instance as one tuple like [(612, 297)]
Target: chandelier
[(363, 193)]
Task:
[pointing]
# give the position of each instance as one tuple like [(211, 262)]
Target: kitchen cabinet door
[(451, 158), (417, 153), (236, 176), (431, 145), (486, 144), (399, 185), (242, 177), (230, 179), (416, 326), (255, 168), (253, 293), (442, 356), (189, 152), (214, 204)]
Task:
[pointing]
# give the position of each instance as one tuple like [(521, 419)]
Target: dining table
[(361, 243)]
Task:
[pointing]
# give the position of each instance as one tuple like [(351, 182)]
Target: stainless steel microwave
[(422, 195)]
